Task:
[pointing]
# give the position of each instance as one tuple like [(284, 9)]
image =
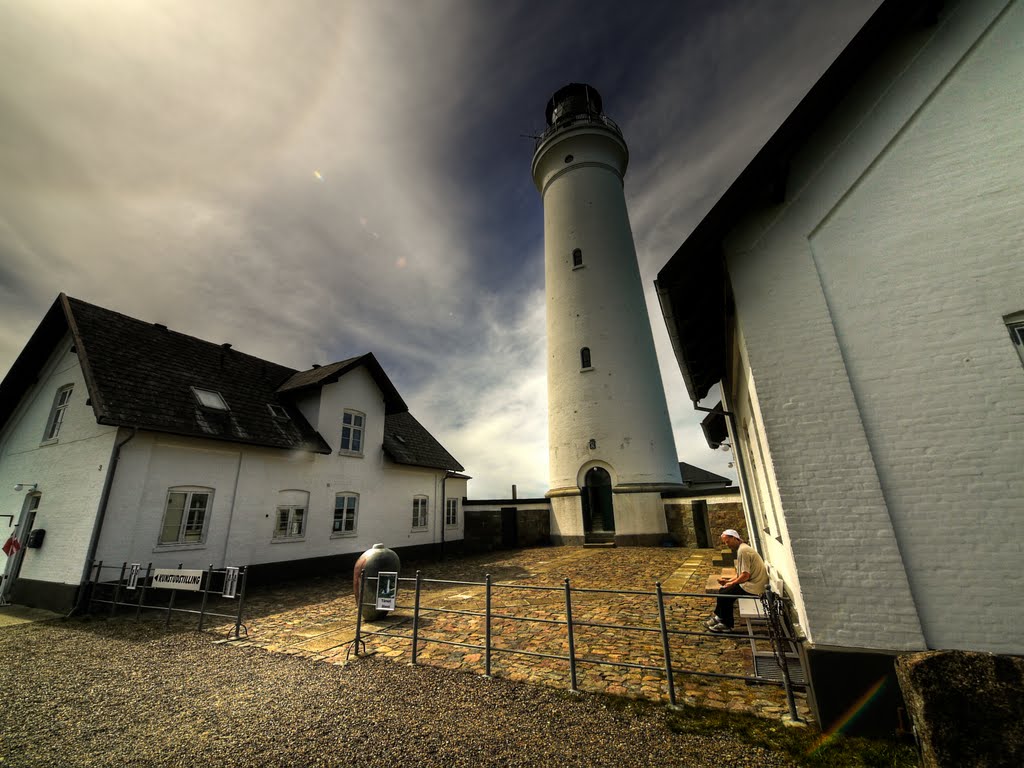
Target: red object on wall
[(11, 546)]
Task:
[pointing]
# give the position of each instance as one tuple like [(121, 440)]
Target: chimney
[(514, 497)]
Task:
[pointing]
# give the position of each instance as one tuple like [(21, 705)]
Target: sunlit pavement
[(316, 619)]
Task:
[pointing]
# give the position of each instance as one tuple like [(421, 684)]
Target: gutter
[(94, 541)]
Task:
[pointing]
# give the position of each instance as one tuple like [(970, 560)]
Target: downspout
[(94, 541), (231, 512), (444, 507), (755, 535)]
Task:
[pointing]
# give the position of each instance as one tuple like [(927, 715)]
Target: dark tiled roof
[(407, 442), (141, 375), (696, 476)]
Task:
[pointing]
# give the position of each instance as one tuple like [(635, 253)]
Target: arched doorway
[(596, 496)]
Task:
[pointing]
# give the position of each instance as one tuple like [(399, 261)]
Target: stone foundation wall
[(967, 708), (722, 514)]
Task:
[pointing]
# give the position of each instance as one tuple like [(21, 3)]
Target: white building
[(137, 443), (610, 440), (859, 294)]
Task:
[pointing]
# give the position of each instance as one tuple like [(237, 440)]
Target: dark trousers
[(724, 605)]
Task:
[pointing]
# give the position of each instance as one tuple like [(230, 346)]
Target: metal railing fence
[(138, 592), (779, 631)]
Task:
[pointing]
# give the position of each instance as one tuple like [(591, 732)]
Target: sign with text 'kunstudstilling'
[(173, 578)]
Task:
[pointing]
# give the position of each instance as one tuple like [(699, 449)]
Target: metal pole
[(206, 594), (664, 644), (487, 625), (416, 617), (117, 589), (170, 604), (98, 564), (142, 593), (572, 642), (359, 609), (241, 604)]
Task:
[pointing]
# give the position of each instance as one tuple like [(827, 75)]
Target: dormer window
[(352, 424), (207, 398), (277, 411)]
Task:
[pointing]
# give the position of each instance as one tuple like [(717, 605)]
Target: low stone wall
[(967, 708), (723, 511), (485, 531)]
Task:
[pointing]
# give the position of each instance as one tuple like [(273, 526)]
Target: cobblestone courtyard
[(316, 619)]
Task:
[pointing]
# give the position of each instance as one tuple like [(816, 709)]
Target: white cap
[(732, 532)]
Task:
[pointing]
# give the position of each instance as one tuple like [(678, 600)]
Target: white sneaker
[(712, 621), (719, 628)]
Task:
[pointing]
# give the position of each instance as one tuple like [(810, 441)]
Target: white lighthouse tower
[(609, 434)]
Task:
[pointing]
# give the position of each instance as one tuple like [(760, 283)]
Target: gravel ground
[(116, 693)]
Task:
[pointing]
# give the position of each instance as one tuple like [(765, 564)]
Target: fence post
[(241, 604), (142, 592), (664, 644), (206, 594), (416, 616), (117, 589), (359, 609), (98, 565), (572, 642), (487, 625), (170, 605)]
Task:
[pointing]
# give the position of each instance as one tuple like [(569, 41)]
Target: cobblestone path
[(316, 619)]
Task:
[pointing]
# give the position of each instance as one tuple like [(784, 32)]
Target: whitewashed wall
[(620, 402), (70, 471), (247, 484), (891, 399)]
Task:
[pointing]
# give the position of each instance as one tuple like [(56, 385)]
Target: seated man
[(751, 579)]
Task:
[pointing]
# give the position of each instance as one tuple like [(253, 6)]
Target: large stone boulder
[(967, 708)]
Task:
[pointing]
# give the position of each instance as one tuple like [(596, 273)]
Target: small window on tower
[(585, 359), (577, 258)]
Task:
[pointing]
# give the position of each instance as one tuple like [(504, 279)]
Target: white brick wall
[(891, 398), (70, 472)]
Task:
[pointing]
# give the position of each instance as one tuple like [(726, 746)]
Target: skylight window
[(277, 411), (210, 399)]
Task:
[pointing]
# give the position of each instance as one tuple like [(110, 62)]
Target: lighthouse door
[(598, 501)]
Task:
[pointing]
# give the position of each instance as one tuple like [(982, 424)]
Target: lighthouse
[(611, 450)]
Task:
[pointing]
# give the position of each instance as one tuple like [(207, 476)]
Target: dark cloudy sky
[(313, 179)]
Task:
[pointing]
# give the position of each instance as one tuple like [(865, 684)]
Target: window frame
[(182, 542), (586, 360), (58, 410), (577, 258), (343, 533), (198, 392), (291, 509), (1015, 326), (354, 431), (451, 513), (418, 501)]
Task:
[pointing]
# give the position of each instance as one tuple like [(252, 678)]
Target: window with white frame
[(346, 509), (57, 411), (419, 511), (291, 523), (352, 427), (290, 514), (185, 515), (451, 512)]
